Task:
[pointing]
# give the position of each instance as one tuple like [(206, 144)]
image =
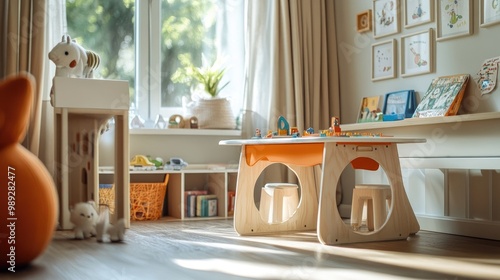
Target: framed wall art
[(454, 19), (384, 60), (417, 53), (489, 12), (385, 18), (364, 21), (418, 12)]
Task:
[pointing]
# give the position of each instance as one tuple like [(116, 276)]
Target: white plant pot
[(214, 113)]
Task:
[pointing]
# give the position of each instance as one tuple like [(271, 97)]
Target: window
[(145, 43)]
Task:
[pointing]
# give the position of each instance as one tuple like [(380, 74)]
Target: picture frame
[(417, 50), (369, 110), (364, 21), (454, 19), (386, 14), (489, 12), (418, 12), (384, 60)]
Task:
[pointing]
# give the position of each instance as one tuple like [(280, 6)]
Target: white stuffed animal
[(69, 57), (84, 217), (104, 229)]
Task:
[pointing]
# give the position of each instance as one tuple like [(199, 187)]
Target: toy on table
[(334, 130), (84, 217)]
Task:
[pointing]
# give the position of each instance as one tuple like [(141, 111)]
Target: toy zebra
[(72, 60), (93, 61)]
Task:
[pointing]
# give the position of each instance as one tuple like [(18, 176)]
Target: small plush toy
[(104, 229), (84, 217), (72, 60)]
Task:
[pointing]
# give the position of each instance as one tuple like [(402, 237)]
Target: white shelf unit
[(216, 179), (452, 180)]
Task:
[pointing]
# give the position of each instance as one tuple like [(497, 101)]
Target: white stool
[(377, 199), (278, 202)]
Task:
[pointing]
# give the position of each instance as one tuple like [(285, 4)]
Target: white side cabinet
[(218, 180)]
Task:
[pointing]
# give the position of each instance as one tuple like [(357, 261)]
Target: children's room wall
[(461, 55)]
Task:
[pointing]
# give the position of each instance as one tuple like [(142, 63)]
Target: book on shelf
[(190, 201), (443, 97), (202, 204)]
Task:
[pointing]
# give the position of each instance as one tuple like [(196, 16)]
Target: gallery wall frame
[(386, 18), (417, 53), (489, 12), (384, 60), (364, 21), (418, 12), (454, 19)]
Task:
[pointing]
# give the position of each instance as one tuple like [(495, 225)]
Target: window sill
[(186, 131)]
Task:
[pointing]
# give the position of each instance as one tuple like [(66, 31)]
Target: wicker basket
[(146, 199), (107, 196)]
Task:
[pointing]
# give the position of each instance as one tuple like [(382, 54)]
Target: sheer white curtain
[(55, 28)]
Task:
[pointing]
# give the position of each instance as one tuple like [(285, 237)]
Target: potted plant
[(211, 110)]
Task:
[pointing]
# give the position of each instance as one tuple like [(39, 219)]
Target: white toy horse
[(72, 60)]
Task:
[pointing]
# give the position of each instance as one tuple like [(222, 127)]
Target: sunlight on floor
[(269, 271)]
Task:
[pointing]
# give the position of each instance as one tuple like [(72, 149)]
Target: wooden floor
[(212, 250)]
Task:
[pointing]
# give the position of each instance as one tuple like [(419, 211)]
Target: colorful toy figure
[(283, 126)]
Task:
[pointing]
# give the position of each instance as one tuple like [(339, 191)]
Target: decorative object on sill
[(443, 97), (364, 21), (137, 122), (486, 77), (160, 122), (399, 105), (193, 122), (214, 113), (25, 181), (176, 121)]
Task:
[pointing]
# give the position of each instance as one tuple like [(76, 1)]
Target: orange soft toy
[(28, 198)]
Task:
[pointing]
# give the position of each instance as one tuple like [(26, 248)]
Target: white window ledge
[(186, 131)]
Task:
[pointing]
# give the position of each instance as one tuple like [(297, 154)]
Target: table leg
[(401, 220), (247, 219)]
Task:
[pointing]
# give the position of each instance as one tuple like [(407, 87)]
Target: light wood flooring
[(212, 250)]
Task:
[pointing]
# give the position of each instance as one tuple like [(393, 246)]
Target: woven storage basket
[(107, 196), (215, 113), (146, 199)]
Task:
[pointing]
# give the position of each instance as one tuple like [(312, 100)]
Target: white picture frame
[(384, 60), (489, 12), (417, 50), (454, 19), (418, 12), (386, 14)]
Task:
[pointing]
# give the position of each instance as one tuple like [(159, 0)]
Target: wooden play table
[(333, 154)]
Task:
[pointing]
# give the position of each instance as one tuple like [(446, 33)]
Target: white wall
[(453, 56)]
